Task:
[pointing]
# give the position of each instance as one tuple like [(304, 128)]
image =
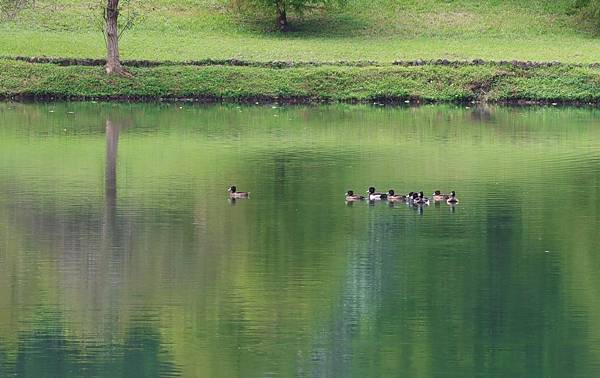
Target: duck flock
[(412, 198)]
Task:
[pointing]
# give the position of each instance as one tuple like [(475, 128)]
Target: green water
[(120, 255)]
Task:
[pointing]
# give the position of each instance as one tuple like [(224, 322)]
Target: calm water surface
[(120, 255)]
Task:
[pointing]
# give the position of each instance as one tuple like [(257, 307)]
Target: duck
[(452, 200), (350, 196), (437, 196), (413, 197), (375, 196), (233, 193), (421, 199), (392, 196)]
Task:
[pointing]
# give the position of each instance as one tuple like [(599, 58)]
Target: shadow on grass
[(312, 25)]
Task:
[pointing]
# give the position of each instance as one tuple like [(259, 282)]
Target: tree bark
[(282, 22), (113, 61)]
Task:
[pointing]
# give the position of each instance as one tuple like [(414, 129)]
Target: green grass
[(380, 30), (489, 82)]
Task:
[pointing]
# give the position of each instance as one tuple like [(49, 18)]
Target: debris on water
[(70, 112), (407, 101), (51, 111)]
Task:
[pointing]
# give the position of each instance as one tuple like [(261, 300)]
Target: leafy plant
[(131, 13)]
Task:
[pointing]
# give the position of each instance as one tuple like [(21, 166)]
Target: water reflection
[(119, 255), (110, 177)]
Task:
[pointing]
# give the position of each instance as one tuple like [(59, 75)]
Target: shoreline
[(66, 61), (413, 102), (232, 81)]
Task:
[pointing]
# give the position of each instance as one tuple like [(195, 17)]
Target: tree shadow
[(313, 25)]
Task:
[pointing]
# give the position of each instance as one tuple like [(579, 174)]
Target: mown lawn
[(379, 30)]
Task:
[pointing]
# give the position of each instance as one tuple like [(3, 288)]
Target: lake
[(121, 255)]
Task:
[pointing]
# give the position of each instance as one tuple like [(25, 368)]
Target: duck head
[(350, 193), (232, 189), (371, 190), (391, 192)]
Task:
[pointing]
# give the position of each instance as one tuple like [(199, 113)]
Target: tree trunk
[(113, 62), (282, 22)]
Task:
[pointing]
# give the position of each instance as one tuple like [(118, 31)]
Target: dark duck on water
[(233, 193), (376, 196)]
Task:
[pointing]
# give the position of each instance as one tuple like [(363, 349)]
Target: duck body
[(421, 199), (438, 196), (393, 197), (233, 193), (452, 200), (376, 196), (351, 197)]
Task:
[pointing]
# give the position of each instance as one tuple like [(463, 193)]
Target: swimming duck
[(392, 196), (233, 193), (375, 196), (413, 197), (421, 199), (452, 200), (437, 196), (350, 196)]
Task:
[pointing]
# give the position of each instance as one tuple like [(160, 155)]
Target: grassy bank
[(380, 30), (489, 82)]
